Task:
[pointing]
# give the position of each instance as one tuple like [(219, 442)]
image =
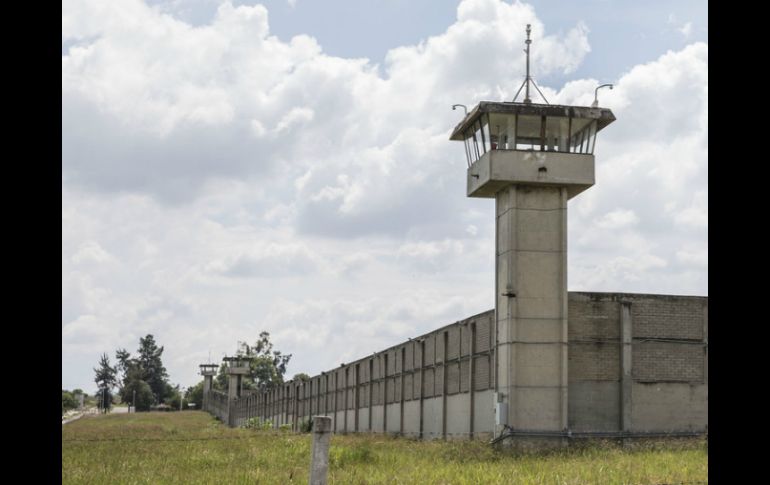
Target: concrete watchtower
[(531, 158), (237, 368), (208, 371)]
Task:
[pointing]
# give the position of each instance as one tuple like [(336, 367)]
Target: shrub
[(258, 424), (68, 401), (306, 426), (144, 396)]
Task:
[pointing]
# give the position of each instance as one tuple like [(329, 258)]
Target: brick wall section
[(594, 361), (481, 373), (430, 347), (453, 378), (439, 381), (592, 318), (454, 343), (465, 344), (483, 333), (392, 362), (465, 367), (593, 331), (666, 361), (427, 387), (408, 387), (594, 337), (409, 357), (668, 317)]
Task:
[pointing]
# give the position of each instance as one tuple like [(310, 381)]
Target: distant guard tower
[(531, 158), (237, 368), (208, 371)]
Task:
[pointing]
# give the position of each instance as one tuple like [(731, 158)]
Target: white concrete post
[(319, 462)]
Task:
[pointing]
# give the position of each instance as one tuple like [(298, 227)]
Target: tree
[(147, 367), (124, 363), (144, 396), (106, 380), (301, 377), (68, 401), (220, 381), (177, 400), (266, 366), (153, 372), (194, 394)]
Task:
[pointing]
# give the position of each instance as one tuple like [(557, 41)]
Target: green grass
[(191, 447)]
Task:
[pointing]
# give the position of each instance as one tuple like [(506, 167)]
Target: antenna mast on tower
[(528, 79)]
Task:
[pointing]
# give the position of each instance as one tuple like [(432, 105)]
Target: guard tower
[(531, 159), (208, 371), (237, 367)]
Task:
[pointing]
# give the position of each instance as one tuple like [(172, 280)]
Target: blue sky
[(623, 33), (232, 167)]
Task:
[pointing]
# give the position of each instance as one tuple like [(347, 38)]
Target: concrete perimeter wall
[(435, 386), (636, 363)]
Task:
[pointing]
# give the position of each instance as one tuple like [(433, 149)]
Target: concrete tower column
[(531, 306), (208, 371), (531, 190), (234, 386)]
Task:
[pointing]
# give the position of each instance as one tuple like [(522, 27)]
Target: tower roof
[(603, 116)]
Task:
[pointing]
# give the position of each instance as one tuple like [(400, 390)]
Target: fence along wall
[(636, 363)]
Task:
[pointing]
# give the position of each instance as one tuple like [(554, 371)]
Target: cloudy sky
[(231, 167)]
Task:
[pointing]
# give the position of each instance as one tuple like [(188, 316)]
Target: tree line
[(71, 399), (143, 381)]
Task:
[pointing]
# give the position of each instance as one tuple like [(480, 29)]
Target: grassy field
[(192, 447)]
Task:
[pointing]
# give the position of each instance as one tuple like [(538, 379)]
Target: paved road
[(115, 409), (75, 417)]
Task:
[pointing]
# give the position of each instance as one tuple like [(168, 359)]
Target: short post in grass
[(319, 462)]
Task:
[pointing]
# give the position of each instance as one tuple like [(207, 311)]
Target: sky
[(233, 167)]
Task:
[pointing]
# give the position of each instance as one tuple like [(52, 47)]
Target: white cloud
[(91, 251), (431, 255), (268, 261), (617, 219), (697, 256), (695, 214)]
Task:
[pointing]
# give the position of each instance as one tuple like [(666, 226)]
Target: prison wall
[(438, 385), (217, 403), (636, 363)]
